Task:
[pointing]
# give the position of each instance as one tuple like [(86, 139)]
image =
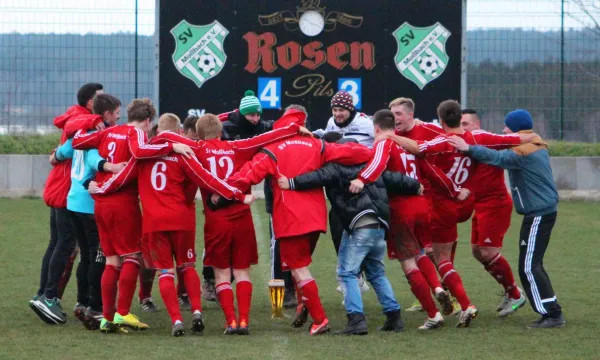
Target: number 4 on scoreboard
[(269, 92)]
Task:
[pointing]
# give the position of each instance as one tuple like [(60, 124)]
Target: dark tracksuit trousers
[(533, 242)]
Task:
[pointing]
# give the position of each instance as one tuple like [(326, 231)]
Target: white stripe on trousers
[(535, 294), (272, 247)]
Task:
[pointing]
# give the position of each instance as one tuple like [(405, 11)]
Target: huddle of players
[(166, 171)]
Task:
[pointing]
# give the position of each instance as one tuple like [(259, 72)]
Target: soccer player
[(410, 215), (167, 187), (408, 126), (447, 213), (118, 215), (229, 236), (57, 260), (491, 220), (365, 218), (299, 217), (535, 197), (80, 206)]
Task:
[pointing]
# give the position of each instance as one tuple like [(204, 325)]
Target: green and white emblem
[(199, 53), (421, 55)]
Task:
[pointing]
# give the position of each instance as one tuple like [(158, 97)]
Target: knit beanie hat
[(518, 120), (342, 99), (250, 104)]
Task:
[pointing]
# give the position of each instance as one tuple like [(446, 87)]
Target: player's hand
[(100, 126), (249, 199), (421, 189), (214, 198), (52, 159), (356, 186), (459, 143), (93, 187), (305, 132), (527, 138), (382, 137), (183, 150), (464, 194), (283, 183)]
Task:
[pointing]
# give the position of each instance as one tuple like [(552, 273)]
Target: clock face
[(311, 23)]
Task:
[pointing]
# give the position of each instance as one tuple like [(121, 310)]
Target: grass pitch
[(572, 261)]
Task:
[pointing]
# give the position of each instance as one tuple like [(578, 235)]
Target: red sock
[(420, 289), (146, 282), (310, 294), (453, 281), (453, 253), (243, 292), (429, 272), (500, 270), (66, 275), (180, 283), (109, 281), (127, 281), (192, 282), (225, 296), (166, 284)]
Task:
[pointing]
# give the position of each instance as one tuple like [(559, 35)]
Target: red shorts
[(230, 242), (296, 251), (146, 252), (163, 246), (404, 239), (490, 223), (446, 215), (119, 227)]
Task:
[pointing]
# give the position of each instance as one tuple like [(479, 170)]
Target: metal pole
[(562, 70), (136, 50)]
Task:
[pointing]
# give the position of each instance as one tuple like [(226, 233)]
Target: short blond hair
[(169, 122), (209, 127), (409, 104)]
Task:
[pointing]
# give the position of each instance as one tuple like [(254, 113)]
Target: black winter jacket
[(351, 207), (236, 127)]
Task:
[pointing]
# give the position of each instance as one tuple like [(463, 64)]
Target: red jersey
[(389, 156), (167, 187), (458, 166), (119, 144), (297, 212), (58, 182)]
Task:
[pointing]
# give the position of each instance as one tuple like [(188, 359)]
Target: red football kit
[(300, 216), (409, 228), (461, 169), (118, 215)]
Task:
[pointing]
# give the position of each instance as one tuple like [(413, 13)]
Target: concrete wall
[(24, 175)]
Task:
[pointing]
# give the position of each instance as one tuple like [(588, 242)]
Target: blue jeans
[(366, 248)]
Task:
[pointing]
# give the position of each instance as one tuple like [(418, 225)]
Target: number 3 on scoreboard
[(353, 87), (269, 92)]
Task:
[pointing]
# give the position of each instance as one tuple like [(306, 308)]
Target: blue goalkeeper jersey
[(84, 166)]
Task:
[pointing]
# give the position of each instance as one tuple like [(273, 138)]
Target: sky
[(111, 16)]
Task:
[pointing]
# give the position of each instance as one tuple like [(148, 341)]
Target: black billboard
[(303, 51)]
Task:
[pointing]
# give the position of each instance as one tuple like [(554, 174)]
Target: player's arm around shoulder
[(325, 176), (400, 184), (506, 159)]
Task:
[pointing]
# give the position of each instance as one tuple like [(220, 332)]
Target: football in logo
[(428, 65), (206, 62)]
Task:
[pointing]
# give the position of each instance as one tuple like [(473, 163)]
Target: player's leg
[(244, 253), (290, 299), (48, 304), (296, 252), (83, 285), (375, 274), (354, 248), (243, 293), (146, 279)]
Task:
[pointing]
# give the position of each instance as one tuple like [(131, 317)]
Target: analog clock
[(311, 23)]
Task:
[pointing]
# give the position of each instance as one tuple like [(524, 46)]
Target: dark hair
[(105, 102), (331, 137), (87, 92), (153, 131), (384, 118), (449, 112), (469, 111), (190, 123), (140, 110)]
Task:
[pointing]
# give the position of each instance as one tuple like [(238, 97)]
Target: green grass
[(572, 261)]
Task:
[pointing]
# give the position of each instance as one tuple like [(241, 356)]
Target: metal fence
[(542, 55)]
